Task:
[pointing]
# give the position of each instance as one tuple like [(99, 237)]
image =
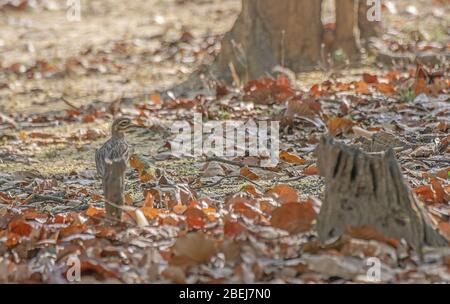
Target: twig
[(427, 159), (293, 179), (233, 163), (230, 177), (69, 103), (36, 198)]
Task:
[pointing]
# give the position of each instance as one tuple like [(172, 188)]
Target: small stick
[(230, 177), (293, 179), (35, 198), (233, 163), (69, 103)]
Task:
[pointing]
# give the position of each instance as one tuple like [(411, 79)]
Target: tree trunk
[(273, 33), (369, 191), (282, 33), (367, 29), (345, 28), (113, 187)]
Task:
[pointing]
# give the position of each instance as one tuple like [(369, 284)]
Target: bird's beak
[(135, 127)]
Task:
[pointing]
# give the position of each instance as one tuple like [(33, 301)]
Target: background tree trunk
[(367, 29), (281, 33), (345, 28), (272, 33)]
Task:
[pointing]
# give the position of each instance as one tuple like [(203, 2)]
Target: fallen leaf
[(193, 248), (283, 194), (368, 78), (92, 211), (291, 158), (294, 217), (247, 172), (195, 218), (339, 125)]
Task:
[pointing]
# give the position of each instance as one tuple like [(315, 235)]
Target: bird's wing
[(99, 162)]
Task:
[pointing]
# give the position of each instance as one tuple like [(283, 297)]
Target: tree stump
[(113, 187), (363, 190)]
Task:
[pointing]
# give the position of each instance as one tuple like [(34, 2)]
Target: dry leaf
[(294, 217), (193, 248), (291, 158), (284, 194)]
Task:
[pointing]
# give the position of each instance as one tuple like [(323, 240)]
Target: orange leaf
[(425, 192), (369, 233), (92, 211), (362, 88), (284, 194), (195, 218), (439, 192), (294, 217), (20, 227), (136, 163), (385, 88), (150, 213), (291, 158), (179, 208), (444, 227), (245, 171), (368, 78), (311, 170), (149, 199), (340, 125), (232, 228), (128, 199)]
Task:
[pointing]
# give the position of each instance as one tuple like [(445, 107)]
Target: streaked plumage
[(111, 161)]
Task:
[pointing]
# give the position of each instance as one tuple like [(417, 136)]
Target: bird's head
[(123, 125)]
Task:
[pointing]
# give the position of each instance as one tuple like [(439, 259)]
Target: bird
[(111, 162)]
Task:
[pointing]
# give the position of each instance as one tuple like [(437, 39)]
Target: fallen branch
[(230, 177)]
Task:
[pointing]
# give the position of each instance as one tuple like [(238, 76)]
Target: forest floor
[(62, 82)]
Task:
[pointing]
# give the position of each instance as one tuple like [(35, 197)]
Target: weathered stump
[(113, 187), (365, 190)]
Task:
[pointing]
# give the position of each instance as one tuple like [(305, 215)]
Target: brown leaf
[(20, 227), (193, 248), (311, 170), (294, 217), (92, 211), (369, 233), (340, 125), (385, 88), (247, 172), (291, 158), (368, 78), (195, 218), (232, 228), (284, 194), (362, 88)]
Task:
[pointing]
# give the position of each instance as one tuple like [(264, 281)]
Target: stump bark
[(365, 190), (113, 187)]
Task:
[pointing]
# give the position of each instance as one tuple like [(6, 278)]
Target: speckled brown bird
[(111, 161)]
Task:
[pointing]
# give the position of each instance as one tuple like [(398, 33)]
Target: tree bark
[(282, 33), (113, 187), (367, 29), (266, 34), (369, 191), (273, 33), (345, 28)]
